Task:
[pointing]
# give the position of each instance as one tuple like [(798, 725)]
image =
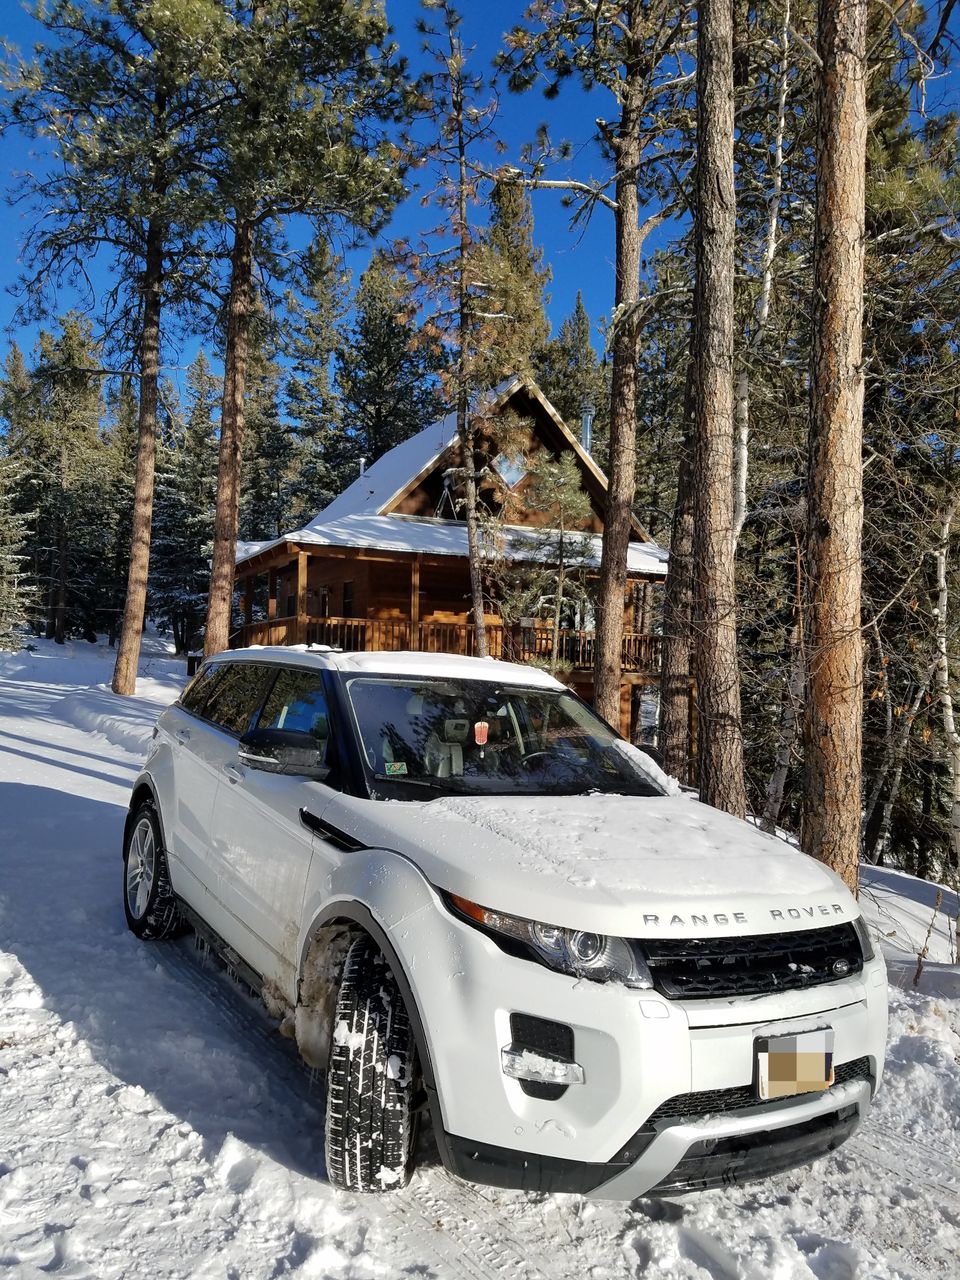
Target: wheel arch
[(350, 917), (143, 790)]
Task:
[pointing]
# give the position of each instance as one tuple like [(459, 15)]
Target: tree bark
[(942, 681), (465, 426), (608, 657), (833, 728), (128, 652), (715, 620), (675, 687), (220, 604)]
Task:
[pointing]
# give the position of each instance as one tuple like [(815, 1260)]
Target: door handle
[(233, 772), (182, 735)]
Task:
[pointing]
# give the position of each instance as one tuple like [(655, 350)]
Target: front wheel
[(370, 1078), (149, 902)]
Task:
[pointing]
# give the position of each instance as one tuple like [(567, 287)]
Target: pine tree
[(387, 369), (183, 525), (311, 399), (632, 50), (269, 447), (722, 780), (120, 87), (309, 89), (572, 377), (515, 276), (16, 592), (53, 431)]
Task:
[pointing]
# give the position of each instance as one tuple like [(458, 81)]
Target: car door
[(207, 745), (263, 849), (196, 777)]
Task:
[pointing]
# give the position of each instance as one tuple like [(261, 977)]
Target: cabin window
[(348, 599)]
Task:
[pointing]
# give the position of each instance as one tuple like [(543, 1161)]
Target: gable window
[(511, 467)]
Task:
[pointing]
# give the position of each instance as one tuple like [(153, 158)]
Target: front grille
[(711, 1101), (698, 968), (550, 1040)]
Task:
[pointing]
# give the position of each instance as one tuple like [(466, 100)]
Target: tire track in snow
[(437, 1221)]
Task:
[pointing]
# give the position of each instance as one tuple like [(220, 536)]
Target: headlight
[(866, 942), (572, 951)]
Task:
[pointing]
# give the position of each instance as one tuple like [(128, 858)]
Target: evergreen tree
[(386, 370), (515, 276), (269, 447), (16, 593), (309, 87), (53, 431), (183, 525), (121, 88), (312, 403), (571, 376)]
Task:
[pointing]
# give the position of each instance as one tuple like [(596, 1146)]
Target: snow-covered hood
[(640, 867)]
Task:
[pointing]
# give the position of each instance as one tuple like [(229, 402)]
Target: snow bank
[(126, 722)]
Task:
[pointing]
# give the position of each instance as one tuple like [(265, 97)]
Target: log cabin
[(385, 567)]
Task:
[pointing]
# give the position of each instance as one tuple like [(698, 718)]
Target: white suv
[(458, 888)]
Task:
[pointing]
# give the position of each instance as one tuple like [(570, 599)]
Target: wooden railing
[(515, 644)]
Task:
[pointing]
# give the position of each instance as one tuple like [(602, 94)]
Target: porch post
[(300, 629), (415, 603)]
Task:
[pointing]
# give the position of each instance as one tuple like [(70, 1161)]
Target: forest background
[(353, 337)]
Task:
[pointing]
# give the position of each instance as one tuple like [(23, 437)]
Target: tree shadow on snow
[(157, 1016)]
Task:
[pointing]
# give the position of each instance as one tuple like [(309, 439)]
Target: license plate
[(791, 1064)]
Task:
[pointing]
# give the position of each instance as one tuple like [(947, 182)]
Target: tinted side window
[(237, 695), (297, 701), (198, 690)]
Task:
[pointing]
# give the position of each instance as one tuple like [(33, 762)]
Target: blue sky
[(578, 259)]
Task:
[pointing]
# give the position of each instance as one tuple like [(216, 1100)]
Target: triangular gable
[(520, 388)]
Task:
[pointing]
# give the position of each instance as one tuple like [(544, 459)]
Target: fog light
[(524, 1064)]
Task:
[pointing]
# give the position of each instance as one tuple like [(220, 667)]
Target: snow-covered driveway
[(153, 1124)]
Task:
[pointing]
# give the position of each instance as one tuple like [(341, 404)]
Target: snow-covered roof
[(430, 536), (360, 517), (392, 473)]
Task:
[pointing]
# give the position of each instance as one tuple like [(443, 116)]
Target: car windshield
[(474, 737)]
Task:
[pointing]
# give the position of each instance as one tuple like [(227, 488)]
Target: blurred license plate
[(801, 1063)]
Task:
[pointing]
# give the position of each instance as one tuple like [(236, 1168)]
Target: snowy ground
[(152, 1123)]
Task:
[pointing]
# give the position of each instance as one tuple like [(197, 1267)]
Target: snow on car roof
[(444, 666)]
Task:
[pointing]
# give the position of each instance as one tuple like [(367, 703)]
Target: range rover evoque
[(459, 889)]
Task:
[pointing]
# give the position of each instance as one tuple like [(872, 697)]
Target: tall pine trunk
[(675, 691), (220, 604), (128, 652), (833, 727), (715, 618), (623, 423)]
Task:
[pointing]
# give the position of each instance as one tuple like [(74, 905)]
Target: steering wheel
[(530, 756)]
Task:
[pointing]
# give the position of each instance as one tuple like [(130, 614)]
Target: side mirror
[(289, 751)]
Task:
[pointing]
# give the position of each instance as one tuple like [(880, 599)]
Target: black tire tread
[(163, 918), (370, 1126)]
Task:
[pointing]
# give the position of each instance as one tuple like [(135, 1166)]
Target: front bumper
[(716, 1151), (613, 1135)]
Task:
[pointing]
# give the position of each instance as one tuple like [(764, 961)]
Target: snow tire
[(371, 1121), (149, 903)]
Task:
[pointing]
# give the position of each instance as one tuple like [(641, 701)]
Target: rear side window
[(297, 701), (198, 690), (236, 697)]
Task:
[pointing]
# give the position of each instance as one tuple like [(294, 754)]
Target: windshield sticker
[(395, 766)]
